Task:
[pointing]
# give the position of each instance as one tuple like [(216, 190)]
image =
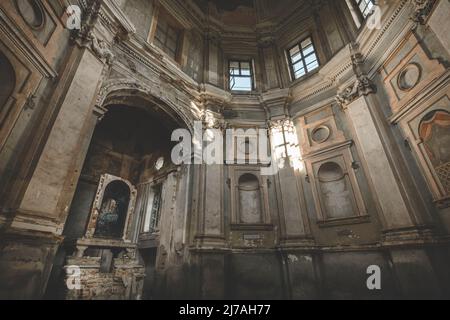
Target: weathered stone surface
[(86, 177)]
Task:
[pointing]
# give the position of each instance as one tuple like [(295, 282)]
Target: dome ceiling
[(228, 5), (248, 12)]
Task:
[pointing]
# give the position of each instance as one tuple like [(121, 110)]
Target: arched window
[(113, 211), (434, 131), (7, 80), (250, 199), (335, 191)]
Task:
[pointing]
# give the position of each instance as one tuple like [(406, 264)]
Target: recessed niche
[(32, 13), (409, 77)]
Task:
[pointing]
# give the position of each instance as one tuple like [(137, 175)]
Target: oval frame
[(38, 8), (322, 127), (403, 72)]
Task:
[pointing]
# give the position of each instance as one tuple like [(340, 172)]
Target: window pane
[(298, 66), (245, 65), (294, 51), (303, 60), (306, 43), (296, 58), (300, 73), (241, 76), (311, 58), (314, 65), (308, 50), (365, 6), (242, 84)]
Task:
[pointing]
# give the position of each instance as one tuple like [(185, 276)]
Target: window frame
[(151, 221), (303, 58), (251, 76)]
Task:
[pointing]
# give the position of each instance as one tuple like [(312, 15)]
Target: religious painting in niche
[(7, 80), (113, 212), (434, 131), (335, 189), (250, 199)]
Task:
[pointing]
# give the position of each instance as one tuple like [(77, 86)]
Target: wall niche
[(113, 212), (335, 190), (112, 209), (249, 198), (250, 207)]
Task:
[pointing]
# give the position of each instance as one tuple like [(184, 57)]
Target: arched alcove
[(335, 191), (250, 206)]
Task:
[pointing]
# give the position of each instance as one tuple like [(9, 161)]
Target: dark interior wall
[(7, 80), (122, 139), (121, 143), (336, 275)]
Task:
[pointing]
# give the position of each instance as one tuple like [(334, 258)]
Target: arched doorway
[(131, 142)]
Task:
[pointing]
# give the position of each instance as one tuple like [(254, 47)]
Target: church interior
[(354, 96)]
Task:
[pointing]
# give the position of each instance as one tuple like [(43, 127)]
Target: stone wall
[(123, 283), (397, 212)]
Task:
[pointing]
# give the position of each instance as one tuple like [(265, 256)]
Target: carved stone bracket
[(422, 8), (363, 85)]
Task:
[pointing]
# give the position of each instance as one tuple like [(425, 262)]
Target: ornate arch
[(182, 107)]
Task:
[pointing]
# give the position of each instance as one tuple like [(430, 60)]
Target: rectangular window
[(167, 37), (302, 58), (241, 75), (365, 6), (152, 208)]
